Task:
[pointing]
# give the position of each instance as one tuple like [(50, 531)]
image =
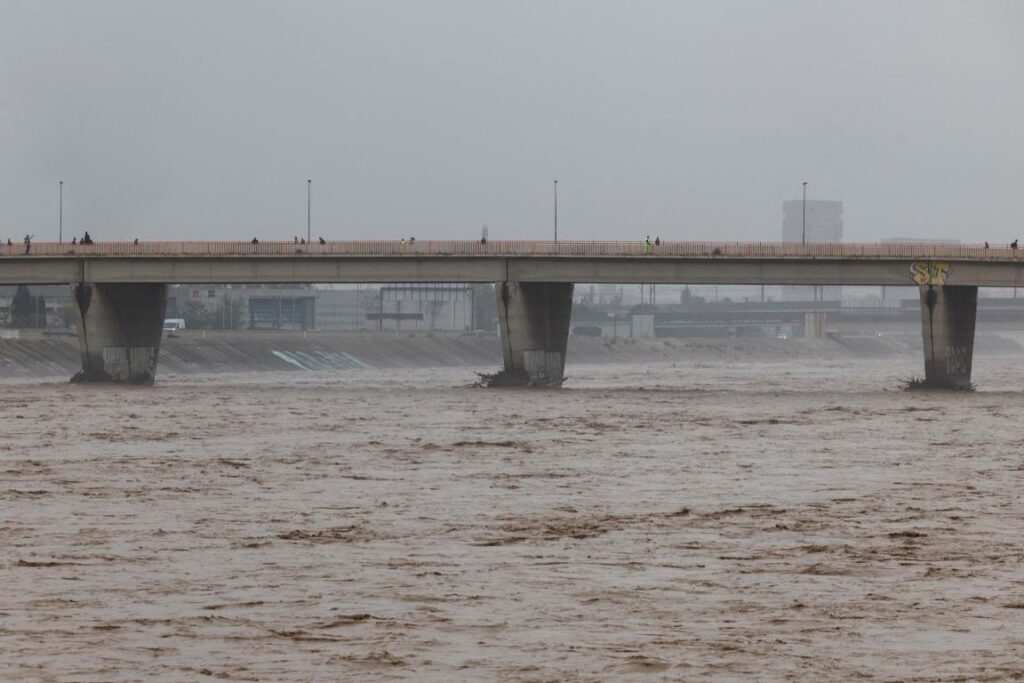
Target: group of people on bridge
[(86, 239), (295, 240), (647, 243)]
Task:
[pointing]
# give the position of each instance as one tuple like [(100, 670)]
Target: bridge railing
[(570, 248)]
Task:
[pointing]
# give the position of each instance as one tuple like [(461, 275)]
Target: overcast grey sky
[(688, 120)]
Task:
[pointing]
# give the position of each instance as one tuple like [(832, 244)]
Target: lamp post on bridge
[(556, 210), (803, 220), (60, 214), (309, 206)]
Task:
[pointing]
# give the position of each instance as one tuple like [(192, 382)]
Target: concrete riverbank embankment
[(35, 355)]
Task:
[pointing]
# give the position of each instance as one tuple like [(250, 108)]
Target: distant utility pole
[(556, 210), (309, 206), (803, 228), (60, 214)]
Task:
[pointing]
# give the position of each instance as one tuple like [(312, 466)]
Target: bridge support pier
[(948, 314), (119, 330), (534, 322)]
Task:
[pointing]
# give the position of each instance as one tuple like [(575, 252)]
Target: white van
[(174, 324)]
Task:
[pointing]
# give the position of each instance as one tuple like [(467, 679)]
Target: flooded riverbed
[(774, 521)]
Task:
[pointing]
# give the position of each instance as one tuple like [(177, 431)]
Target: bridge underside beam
[(638, 270), (534, 321), (119, 331), (948, 315)]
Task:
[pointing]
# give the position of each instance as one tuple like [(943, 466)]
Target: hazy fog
[(689, 120)]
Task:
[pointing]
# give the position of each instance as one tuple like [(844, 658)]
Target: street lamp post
[(803, 221), (309, 206), (60, 214), (556, 210)]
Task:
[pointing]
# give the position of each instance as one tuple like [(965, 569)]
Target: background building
[(410, 307), (49, 307), (824, 220), (426, 307)]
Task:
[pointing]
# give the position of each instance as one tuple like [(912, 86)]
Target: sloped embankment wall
[(191, 352)]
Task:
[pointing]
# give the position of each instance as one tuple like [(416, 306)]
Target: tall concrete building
[(824, 223), (824, 220)]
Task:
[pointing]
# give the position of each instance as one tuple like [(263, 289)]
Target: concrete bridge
[(120, 288)]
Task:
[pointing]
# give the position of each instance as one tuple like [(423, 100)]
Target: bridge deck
[(767, 263), (575, 248)]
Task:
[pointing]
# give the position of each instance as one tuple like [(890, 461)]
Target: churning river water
[(709, 522)]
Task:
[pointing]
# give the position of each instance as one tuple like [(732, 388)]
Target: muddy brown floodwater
[(716, 522)]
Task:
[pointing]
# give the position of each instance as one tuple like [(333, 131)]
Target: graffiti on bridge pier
[(929, 272), (958, 360)]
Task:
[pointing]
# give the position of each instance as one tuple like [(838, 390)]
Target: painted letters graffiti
[(929, 272), (958, 360)]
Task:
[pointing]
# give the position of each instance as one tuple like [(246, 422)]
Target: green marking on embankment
[(355, 361), (310, 362), (288, 359), (321, 361)]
